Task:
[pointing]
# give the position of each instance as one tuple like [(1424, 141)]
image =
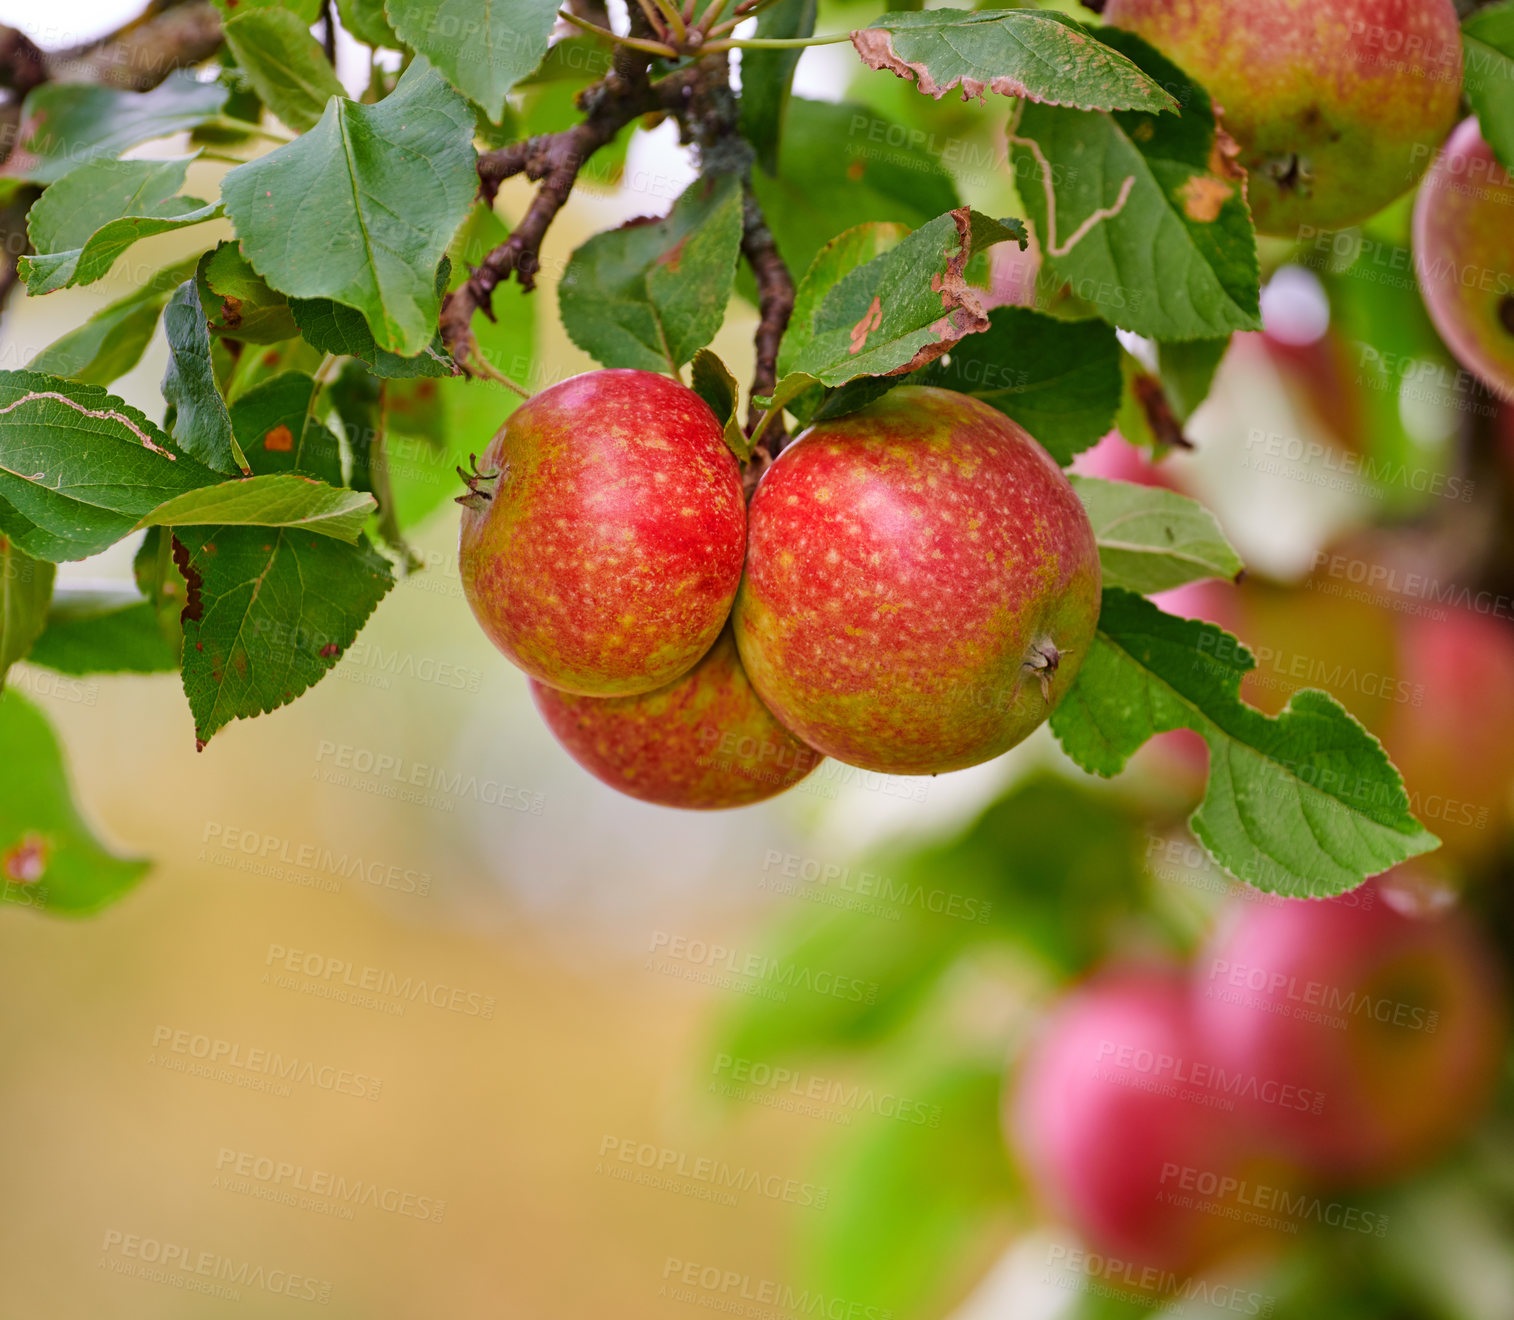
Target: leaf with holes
[(360, 209), (26, 586), (1306, 804), (1152, 539), (1036, 54), (484, 47), (1059, 379), (66, 124), (49, 859), (78, 466), (269, 613), (201, 423), (80, 225), (285, 66), (653, 292), (1143, 215)]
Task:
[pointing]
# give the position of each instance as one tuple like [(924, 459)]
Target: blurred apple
[(1451, 740), (1112, 1115), (1391, 1024)]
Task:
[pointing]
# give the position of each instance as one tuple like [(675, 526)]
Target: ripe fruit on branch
[(1338, 105), (1394, 1021), (1113, 1119), (1464, 256), (921, 584), (705, 741), (1451, 741), (603, 536)]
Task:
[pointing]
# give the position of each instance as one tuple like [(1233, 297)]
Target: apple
[(1113, 1120), (1464, 256), (1451, 741), (603, 535), (1338, 105), (705, 741), (921, 584), (1393, 1023)]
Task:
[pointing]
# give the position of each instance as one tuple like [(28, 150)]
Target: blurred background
[(881, 1047)]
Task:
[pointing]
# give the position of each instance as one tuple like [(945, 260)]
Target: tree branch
[(775, 304), (553, 160), (146, 51)]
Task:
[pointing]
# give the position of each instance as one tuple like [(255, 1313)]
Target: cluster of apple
[(911, 590), (1312, 1048), (1338, 107)]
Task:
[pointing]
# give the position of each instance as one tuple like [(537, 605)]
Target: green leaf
[(1152, 539), (284, 64), (836, 260), (484, 47), (80, 225), (26, 585), (103, 632), (201, 423), (1143, 215), (65, 124), (841, 166), (1187, 372), (904, 308), (913, 1206), (333, 328), (1306, 804), (1036, 54), (269, 500), (78, 466), (238, 303), (308, 10), (1488, 75), (1059, 379), (269, 613), (274, 423), (713, 382), (48, 856), (768, 75), (651, 294), (112, 341), (360, 208), (366, 20)]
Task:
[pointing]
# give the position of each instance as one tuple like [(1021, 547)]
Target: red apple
[(1452, 741), (602, 544), (705, 741), (1464, 255), (921, 584), (1338, 104), (1113, 1116), (1395, 1022)]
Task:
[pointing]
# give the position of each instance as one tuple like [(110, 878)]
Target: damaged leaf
[(1144, 215), (1036, 54), (904, 308)]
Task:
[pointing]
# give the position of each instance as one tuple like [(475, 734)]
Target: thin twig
[(775, 304), (635, 43), (553, 161)]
